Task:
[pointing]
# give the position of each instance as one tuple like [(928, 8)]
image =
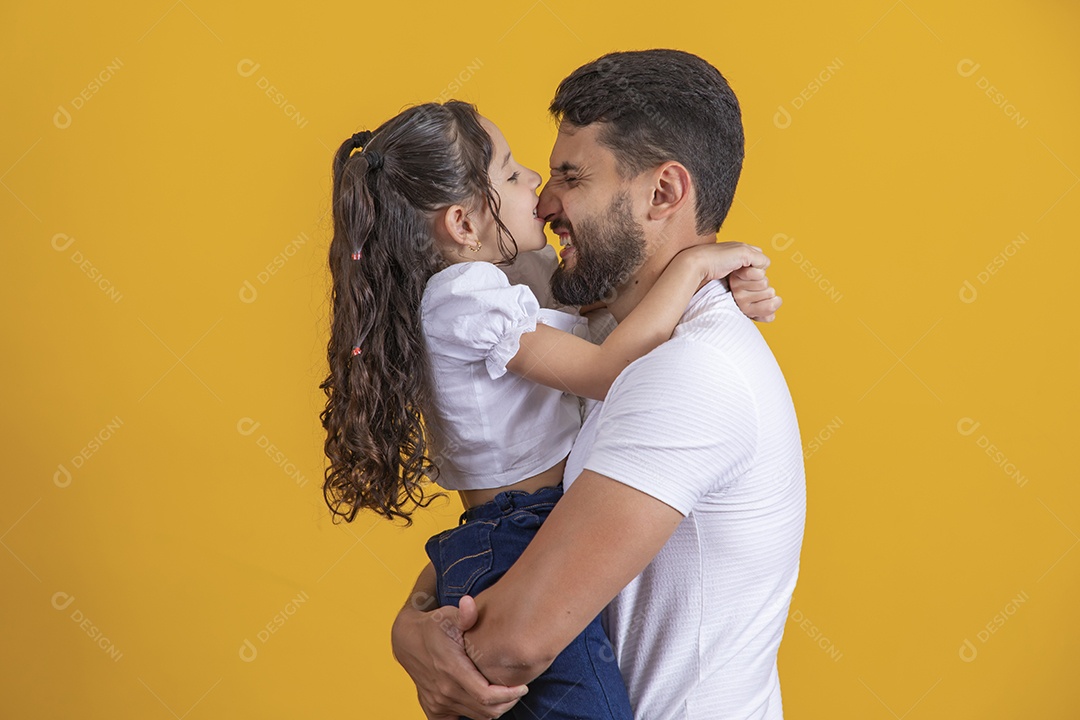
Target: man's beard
[(608, 250)]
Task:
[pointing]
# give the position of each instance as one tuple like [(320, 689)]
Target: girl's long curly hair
[(426, 158)]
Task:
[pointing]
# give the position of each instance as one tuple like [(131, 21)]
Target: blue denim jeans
[(584, 681)]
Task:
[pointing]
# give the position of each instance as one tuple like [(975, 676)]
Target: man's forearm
[(503, 649), (599, 536)]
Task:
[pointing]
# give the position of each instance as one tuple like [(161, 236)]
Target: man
[(684, 503)]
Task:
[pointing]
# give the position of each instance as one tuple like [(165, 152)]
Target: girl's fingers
[(750, 273), (738, 285), (758, 296), (766, 309)]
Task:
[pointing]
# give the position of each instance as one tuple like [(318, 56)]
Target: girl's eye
[(570, 180), (514, 177)]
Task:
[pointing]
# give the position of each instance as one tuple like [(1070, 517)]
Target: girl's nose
[(549, 202)]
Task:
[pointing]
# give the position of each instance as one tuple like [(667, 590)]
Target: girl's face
[(516, 186)]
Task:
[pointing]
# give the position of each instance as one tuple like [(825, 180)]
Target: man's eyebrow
[(506, 159), (565, 168)]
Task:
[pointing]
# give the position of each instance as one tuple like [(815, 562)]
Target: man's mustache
[(557, 225)]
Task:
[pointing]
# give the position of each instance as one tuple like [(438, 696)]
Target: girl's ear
[(456, 226)]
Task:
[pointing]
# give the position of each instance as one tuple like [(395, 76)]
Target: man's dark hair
[(661, 105)]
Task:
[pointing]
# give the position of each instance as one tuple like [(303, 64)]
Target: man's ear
[(455, 225), (670, 191)]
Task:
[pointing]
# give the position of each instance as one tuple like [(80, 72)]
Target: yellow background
[(186, 529)]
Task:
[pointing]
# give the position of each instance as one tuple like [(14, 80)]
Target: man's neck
[(632, 292)]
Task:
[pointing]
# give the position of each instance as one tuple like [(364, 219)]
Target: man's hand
[(750, 288), (430, 646)]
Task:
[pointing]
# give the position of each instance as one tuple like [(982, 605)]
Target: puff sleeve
[(471, 313)]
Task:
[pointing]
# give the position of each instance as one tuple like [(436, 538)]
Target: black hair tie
[(360, 140)]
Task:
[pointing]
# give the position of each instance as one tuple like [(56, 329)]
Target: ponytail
[(381, 256)]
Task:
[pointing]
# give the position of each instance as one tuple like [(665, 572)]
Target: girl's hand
[(750, 288), (744, 266), (717, 260)]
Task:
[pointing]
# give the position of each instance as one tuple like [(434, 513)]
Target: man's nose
[(548, 204)]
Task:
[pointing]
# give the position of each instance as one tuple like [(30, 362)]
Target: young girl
[(441, 369)]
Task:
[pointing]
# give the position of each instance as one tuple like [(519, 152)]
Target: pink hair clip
[(356, 350), (357, 255)]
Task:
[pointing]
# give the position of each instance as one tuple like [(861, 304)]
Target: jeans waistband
[(508, 501)]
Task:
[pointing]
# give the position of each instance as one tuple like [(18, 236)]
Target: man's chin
[(568, 290)]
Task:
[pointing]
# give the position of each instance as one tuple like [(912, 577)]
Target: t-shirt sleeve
[(474, 314), (677, 424)]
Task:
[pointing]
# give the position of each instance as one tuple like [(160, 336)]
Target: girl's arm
[(566, 362), (749, 286)]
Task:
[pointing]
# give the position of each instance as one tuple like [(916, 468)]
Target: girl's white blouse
[(493, 427)]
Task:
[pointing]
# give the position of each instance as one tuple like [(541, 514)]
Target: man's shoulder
[(684, 370), (706, 335), (712, 348), (714, 318), (688, 353)]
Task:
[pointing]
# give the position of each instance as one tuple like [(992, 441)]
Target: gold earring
[(475, 248)]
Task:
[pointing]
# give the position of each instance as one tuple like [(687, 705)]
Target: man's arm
[(678, 425), (598, 537), (672, 430)]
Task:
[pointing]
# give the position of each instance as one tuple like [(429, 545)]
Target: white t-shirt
[(705, 423), (491, 427)]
